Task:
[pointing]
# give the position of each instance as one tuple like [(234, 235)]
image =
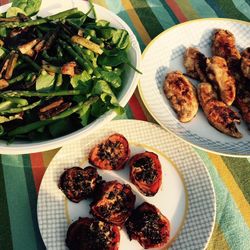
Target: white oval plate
[(165, 54), (130, 78), (186, 196)]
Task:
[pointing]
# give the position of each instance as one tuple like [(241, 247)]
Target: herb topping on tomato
[(114, 204), (146, 173), (111, 154), (148, 226), (91, 234), (78, 184)]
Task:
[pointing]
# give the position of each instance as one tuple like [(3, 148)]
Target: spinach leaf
[(30, 7), (84, 112), (102, 23), (82, 81), (45, 82), (121, 39), (60, 127), (112, 78)]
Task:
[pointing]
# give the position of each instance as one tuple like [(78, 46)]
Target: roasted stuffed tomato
[(111, 154), (148, 226), (146, 173), (78, 184), (114, 204), (91, 234)]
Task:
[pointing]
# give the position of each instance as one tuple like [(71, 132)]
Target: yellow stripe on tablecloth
[(217, 240), (100, 2), (48, 156), (232, 186), (136, 21)]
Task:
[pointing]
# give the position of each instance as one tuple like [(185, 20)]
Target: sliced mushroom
[(11, 65)]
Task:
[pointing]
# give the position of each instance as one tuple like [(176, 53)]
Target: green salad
[(58, 73)]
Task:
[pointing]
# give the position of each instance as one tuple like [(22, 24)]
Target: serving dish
[(165, 54), (186, 196), (129, 81)]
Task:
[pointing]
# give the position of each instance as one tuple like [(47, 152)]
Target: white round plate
[(130, 79), (186, 196), (165, 54)]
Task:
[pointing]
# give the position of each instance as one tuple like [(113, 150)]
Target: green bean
[(36, 125)]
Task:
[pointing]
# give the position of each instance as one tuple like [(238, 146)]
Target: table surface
[(21, 175)]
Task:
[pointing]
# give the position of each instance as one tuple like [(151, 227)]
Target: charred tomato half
[(148, 226), (91, 234), (146, 173), (79, 184), (114, 204), (110, 154)]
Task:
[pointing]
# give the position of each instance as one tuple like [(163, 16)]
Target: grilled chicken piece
[(182, 95), (195, 64), (242, 101), (217, 112), (223, 45), (218, 73), (245, 62)]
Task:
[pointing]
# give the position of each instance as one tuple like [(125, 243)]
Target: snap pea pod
[(36, 125), (40, 94), (21, 109)]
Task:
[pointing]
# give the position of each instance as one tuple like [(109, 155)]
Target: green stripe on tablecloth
[(240, 169), (117, 8), (23, 235), (5, 230), (213, 4), (227, 214), (32, 199), (202, 8), (226, 9), (147, 17), (243, 7), (161, 13), (169, 10)]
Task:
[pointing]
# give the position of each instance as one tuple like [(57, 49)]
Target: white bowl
[(130, 79)]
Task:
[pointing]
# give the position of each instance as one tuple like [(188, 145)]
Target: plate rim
[(181, 175), (148, 106)]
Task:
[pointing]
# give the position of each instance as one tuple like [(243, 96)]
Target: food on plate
[(146, 172), (217, 112), (114, 203), (88, 234), (223, 45), (148, 226), (242, 102), (182, 95), (78, 183), (69, 55), (245, 62), (218, 73), (195, 64), (111, 154)]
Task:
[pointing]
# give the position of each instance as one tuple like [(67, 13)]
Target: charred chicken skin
[(114, 204), (146, 173), (245, 63), (182, 95), (223, 45), (111, 154), (217, 112), (79, 184), (195, 64), (91, 234), (219, 75), (148, 226)]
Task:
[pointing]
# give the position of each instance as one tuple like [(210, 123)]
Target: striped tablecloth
[(20, 175)]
